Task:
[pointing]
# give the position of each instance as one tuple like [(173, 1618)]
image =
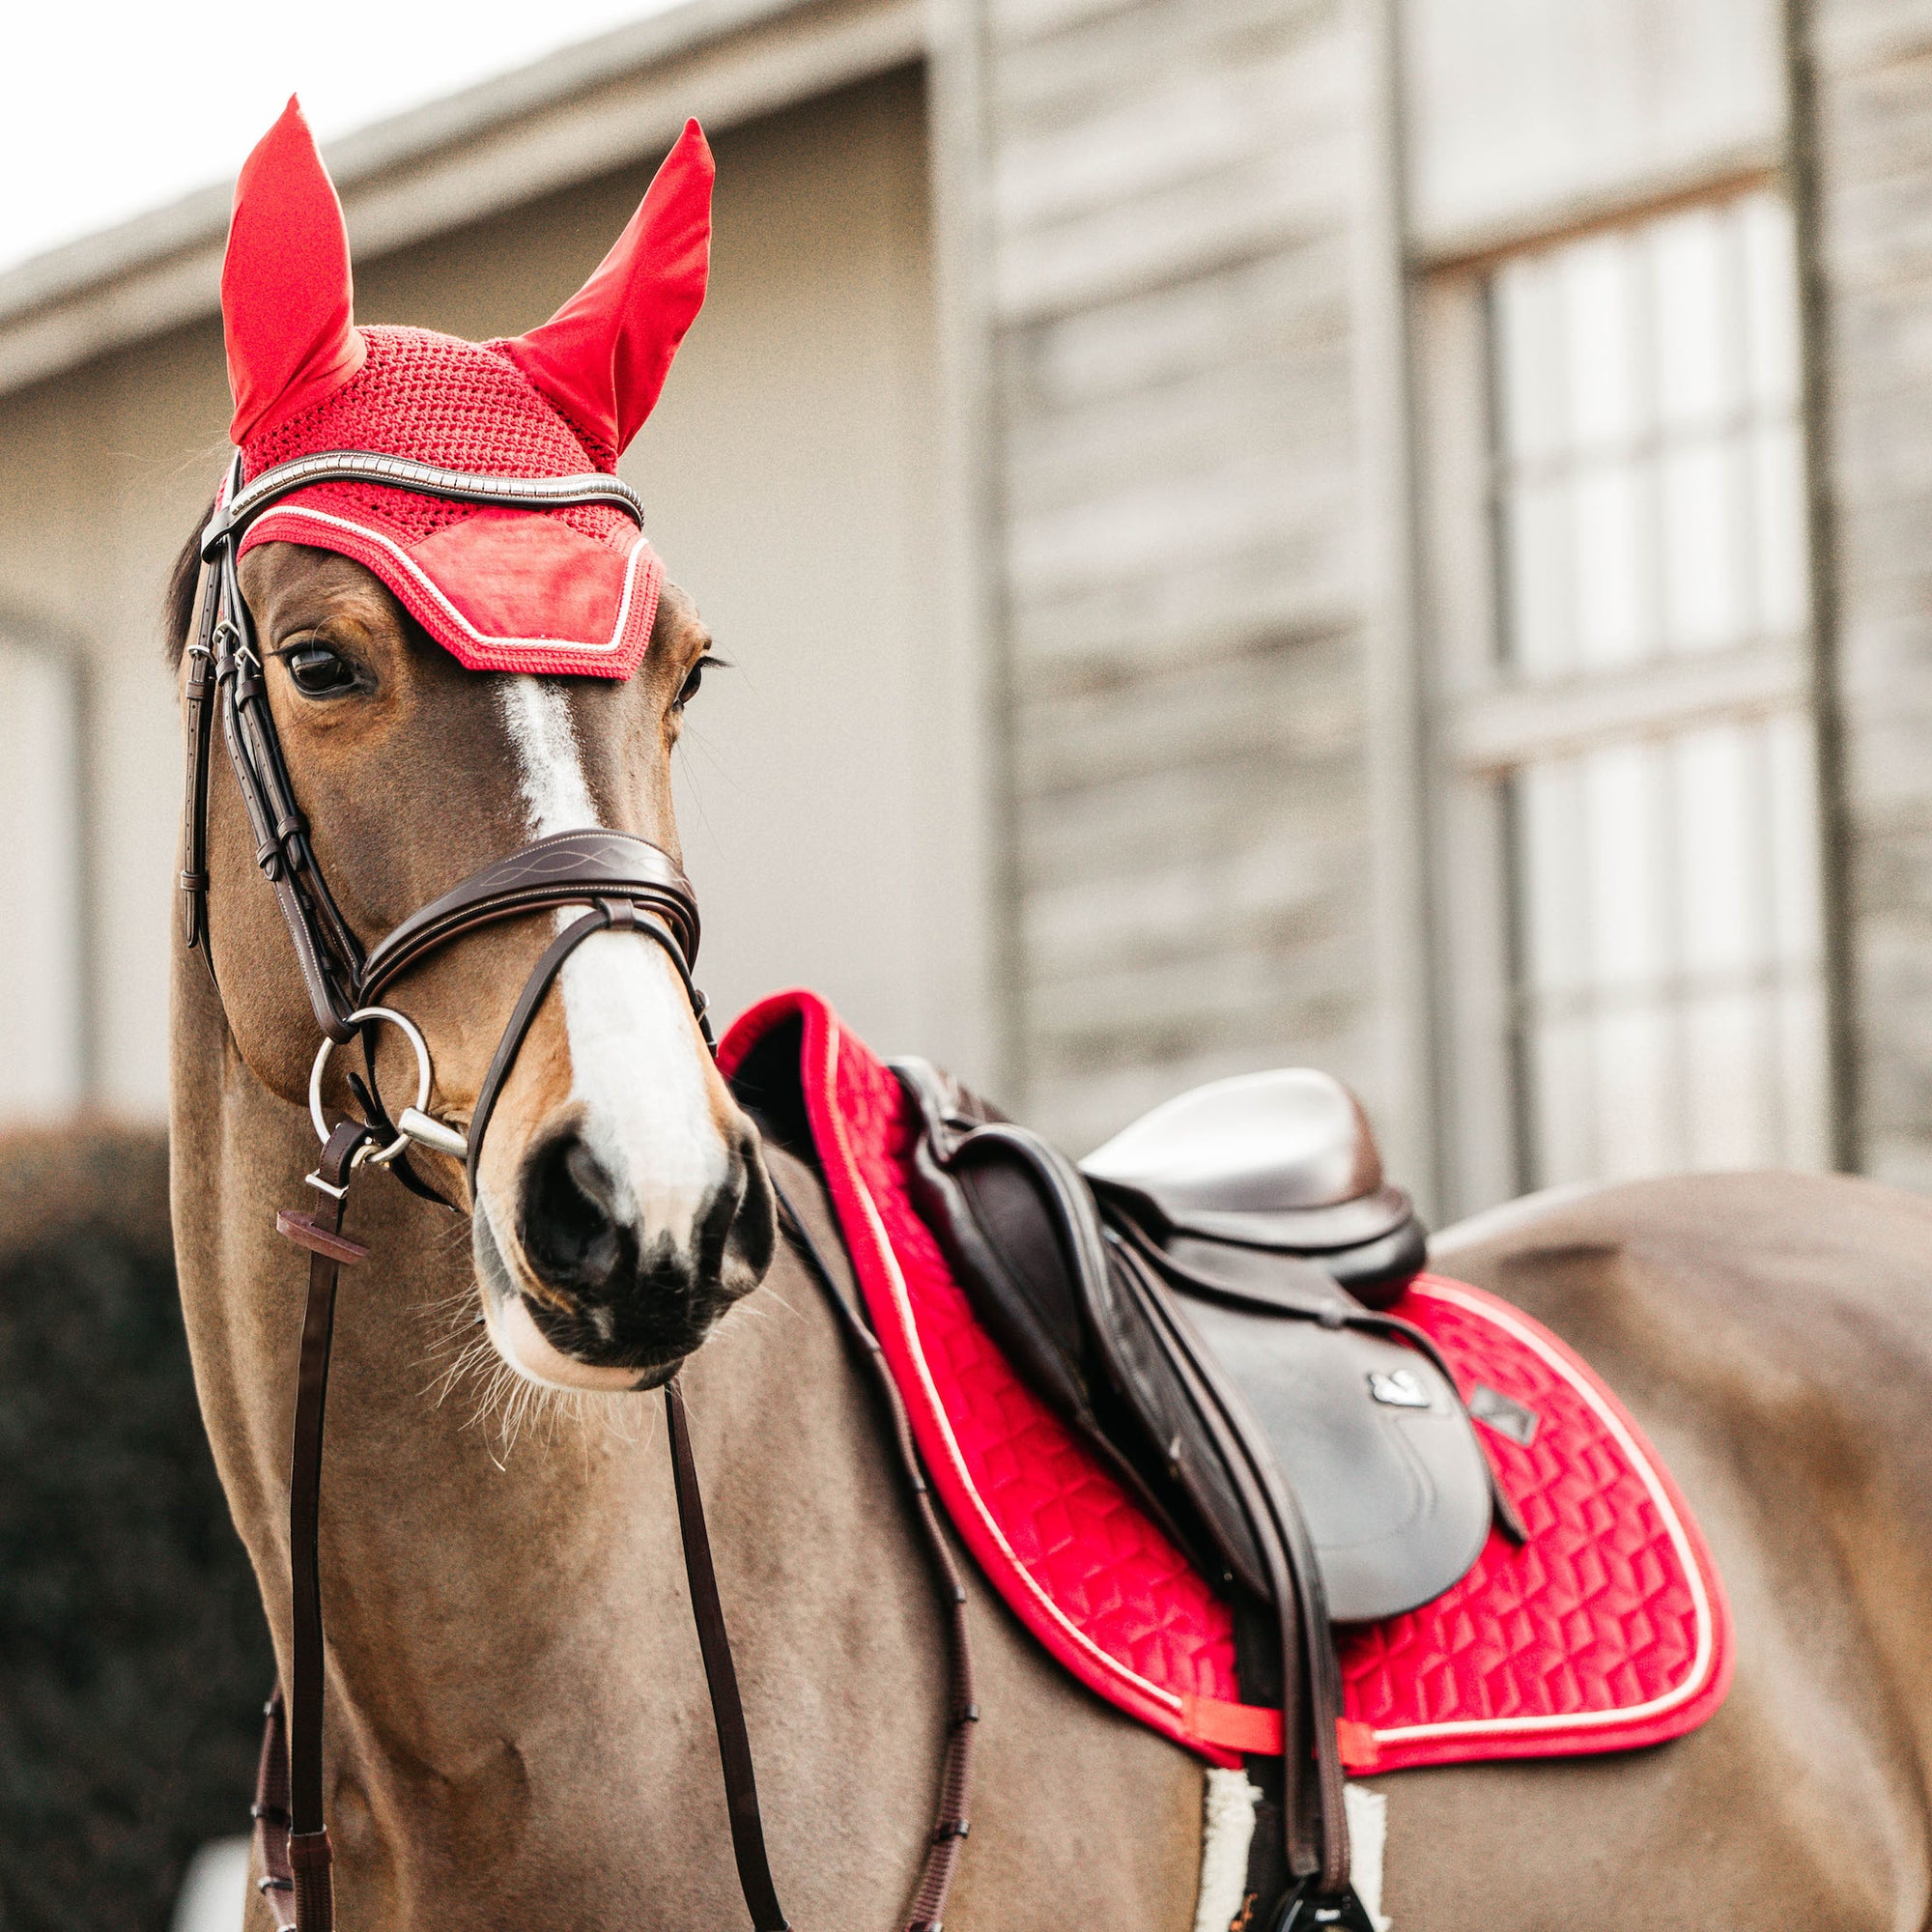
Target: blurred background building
[(1394, 534)]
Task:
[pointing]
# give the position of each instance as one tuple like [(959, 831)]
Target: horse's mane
[(178, 601)]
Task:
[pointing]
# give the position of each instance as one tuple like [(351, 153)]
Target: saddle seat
[(1222, 1266), (1282, 1161)]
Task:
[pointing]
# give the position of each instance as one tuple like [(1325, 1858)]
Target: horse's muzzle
[(604, 1300)]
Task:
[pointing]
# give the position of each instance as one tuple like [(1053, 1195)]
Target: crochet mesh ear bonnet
[(565, 591)]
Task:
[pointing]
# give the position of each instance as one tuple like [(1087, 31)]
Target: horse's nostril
[(569, 1232)]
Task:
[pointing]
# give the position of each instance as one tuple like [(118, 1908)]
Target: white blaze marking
[(635, 1065)]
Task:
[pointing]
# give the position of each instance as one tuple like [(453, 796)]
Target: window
[(41, 980), (1637, 707)]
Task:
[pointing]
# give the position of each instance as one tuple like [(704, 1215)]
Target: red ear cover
[(602, 359), (286, 292)]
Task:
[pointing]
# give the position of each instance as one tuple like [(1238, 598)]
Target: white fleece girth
[(1228, 1830)]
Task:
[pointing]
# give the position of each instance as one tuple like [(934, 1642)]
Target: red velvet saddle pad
[(1606, 1631)]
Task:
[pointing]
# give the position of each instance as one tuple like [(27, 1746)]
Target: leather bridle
[(624, 883)]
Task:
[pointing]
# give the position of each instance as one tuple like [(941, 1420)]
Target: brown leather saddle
[(1247, 1222), (1207, 1300)]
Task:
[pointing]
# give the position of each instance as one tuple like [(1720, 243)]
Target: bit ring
[(362, 1016)]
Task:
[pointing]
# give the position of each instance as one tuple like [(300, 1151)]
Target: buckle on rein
[(414, 1126)]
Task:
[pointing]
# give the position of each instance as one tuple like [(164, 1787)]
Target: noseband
[(625, 884)]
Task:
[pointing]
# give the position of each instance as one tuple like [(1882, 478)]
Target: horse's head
[(619, 1204)]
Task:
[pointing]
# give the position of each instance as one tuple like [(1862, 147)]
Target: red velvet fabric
[(1607, 1629), (563, 591)]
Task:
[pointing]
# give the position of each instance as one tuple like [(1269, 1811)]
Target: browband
[(241, 503)]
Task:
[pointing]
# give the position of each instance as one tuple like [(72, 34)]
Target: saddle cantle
[(1240, 1234)]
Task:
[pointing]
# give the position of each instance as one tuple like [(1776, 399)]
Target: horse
[(518, 1727)]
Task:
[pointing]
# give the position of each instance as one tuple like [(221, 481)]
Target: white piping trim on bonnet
[(297, 515)]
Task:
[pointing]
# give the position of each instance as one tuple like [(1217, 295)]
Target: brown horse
[(518, 1730)]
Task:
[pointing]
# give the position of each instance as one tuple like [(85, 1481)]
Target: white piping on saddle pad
[(1228, 1830), (635, 1065)]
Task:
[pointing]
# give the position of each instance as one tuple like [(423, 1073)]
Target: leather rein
[(624, 883)]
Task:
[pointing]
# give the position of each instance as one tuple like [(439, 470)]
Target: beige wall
[(793, 475), (101, 475)]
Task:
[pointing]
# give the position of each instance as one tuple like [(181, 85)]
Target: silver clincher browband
[(241, 503)]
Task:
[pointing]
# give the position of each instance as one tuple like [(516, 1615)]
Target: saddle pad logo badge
[(1397, 1388), (1504, 1414)]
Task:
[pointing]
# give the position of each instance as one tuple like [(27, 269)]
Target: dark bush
[(132, 1653)]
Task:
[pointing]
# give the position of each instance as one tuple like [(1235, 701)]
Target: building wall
[(1631, 942), (1135, 845), (1171, 193), (791, 474), (1182, 474), (1872, 71), (103, 474)]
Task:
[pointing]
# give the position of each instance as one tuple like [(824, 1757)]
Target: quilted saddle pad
[(1607, 1630)]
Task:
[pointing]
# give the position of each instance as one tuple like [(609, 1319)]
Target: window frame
[(1482, 723)]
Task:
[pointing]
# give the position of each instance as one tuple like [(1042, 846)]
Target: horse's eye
[(694, 681), (319, 672)]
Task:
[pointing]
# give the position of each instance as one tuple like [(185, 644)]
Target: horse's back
[(1772, 1335)]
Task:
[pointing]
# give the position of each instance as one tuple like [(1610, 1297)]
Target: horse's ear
[(286, 294), (603, 356)]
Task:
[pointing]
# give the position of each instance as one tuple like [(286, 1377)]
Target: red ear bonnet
[(602, 359), (571, 590), (285, 282)]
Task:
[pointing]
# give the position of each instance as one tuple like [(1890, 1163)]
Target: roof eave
[(570, 117)]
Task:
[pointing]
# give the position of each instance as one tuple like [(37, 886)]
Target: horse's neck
[(492, 1555)]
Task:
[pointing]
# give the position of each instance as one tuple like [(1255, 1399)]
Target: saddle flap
[(1001, 1237), (1019, 1229), (1375, 1445)]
